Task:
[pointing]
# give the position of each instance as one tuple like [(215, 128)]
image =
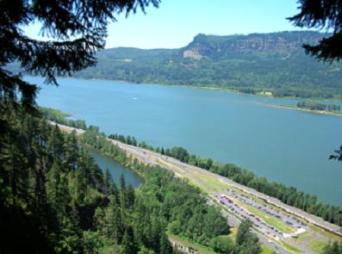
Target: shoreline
[(214, 184), (231, 90), (316, 112), (263, 94)]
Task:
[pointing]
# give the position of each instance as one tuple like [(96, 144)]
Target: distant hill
[(256, 63)]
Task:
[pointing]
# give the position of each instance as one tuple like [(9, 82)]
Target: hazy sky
[(176, 22)]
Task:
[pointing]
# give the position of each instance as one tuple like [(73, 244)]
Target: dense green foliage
[(253, 63), (333, 248), (74, 31), (61, 117), (319, 106), (182, 207), (173, 202), (55, 199), (288, 195), (324, 15), (247, 242)]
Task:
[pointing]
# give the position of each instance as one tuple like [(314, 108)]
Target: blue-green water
[(116, 169), (288, 146)]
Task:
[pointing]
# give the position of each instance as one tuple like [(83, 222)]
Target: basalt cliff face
[(273, 43)]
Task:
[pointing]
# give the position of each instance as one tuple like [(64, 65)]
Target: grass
[(200, 248), (291, 248), (266, 250), (232, 234), (317, 246), (280, 225), (302, 236), (215, 185), (271, 220), (326, 233), (209, 184), (203, 180), (206, 250)]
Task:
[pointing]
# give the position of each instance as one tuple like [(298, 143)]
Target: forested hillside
[(255, 63), (287, 194), (55, 199)]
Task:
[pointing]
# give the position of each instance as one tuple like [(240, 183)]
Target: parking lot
[(236, 203)]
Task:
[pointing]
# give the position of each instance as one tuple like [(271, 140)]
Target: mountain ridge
[(259, 63), (262, 42)]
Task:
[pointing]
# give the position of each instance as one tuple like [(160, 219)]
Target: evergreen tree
[(122, 192), (322, 14), (333, 248), (76, 30), (81, 185), (122, 183), (247, 242), (53, 183), (165, 246), (108, 183), (92, 243), (130, 196), (327, 15), (56, 144), (128, 245), (71, 151), (70, 238)]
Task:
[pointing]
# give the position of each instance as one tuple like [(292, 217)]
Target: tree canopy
[(324, 15), (75, 29)]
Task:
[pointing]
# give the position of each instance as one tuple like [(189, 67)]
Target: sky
[(176, 22)]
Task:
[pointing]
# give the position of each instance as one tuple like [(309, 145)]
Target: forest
[(53, 196), (289, 195), (55, 199), (319, 106), (93, 138)]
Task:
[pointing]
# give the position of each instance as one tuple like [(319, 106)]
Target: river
[(287, 146)]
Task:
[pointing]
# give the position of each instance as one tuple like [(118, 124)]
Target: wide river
[(283, 145)]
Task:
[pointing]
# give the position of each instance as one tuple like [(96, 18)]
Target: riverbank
[(319, 112), (260, 91), (263, 93)]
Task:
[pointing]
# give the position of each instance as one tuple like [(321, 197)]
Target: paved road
[(235, 222)]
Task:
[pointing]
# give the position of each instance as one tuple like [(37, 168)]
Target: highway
[(235, 204)]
